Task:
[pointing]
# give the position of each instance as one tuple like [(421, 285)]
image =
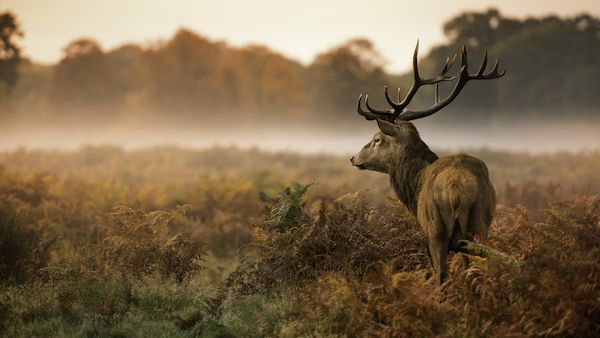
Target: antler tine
[(445, 68), (373, 110), (463, 57), (418, 81), (494, 72), (452, 61), (389, 100), (416, 65), (372, 114), (358, 105), (463, 78), (442, 75), (359, 109), (448, 64), (483, 63)]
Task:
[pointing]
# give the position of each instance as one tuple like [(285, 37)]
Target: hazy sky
[(298, 29)]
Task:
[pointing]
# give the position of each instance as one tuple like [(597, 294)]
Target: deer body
[(456, 201), (452, 197)]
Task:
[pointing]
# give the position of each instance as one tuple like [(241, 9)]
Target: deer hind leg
[(438, 236), (438, 248), (460, 231), (479, 221)]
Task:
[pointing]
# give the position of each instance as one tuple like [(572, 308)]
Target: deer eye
[(376, 141)]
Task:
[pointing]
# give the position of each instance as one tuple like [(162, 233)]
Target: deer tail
[(456, 205)]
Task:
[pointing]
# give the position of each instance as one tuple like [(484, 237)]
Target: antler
[(398, 109)]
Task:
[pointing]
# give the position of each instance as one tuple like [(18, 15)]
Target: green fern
[(287, 211)]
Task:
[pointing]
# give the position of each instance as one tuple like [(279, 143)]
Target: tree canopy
[(552, 71), (552, 63), (10, 53)]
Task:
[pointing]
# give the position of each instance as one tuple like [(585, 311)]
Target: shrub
[(141, 243), (316, 265), (92, 296), (552, 290), (342, 235), (384, 305), (24, 246)]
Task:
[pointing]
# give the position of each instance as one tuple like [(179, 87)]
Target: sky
[(298, 29)]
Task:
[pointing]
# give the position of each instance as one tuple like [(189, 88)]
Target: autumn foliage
[(221, 246)]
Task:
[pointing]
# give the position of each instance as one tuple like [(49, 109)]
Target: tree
[(85, 83), (339, 75), (185, 74), (194, 76), (267, 83), (552, 65), (478, 30), (10, 53)]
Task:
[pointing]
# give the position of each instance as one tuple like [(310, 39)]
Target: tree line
[(552, 64)]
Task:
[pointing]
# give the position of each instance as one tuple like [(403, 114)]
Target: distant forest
[(553, 70)]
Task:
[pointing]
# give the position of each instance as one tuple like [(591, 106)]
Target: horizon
[(44, 41)]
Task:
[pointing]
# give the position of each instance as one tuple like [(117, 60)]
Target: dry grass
[(222, 259)]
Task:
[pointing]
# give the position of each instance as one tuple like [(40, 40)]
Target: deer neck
[(406, 174)]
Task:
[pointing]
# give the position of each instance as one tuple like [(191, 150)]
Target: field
[(226, 242)]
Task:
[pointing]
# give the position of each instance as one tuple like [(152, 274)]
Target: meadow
[(225, 242)]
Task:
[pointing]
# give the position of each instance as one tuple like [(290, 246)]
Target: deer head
[(393, 141), (398, 138)]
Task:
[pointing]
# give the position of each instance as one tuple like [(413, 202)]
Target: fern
[(287, 211)]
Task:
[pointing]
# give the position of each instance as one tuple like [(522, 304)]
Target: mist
[(344, 138), (196, 92)]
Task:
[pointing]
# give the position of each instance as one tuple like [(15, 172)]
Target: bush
[(24, 246), (553, 288), (310, 264), (343, 235), (141, 243), (354, 275), (385, 304)]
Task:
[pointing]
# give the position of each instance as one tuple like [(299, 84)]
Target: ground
[(224, 242)]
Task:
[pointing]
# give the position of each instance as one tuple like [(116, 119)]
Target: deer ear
[(388, 128)]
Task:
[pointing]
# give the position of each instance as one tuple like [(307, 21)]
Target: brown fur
[(452, 197)]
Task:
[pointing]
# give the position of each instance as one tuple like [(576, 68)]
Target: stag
[(452, 197)]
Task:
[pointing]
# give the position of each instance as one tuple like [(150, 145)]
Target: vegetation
[(10, 54), (551, 61), (225, 242), (537, 52), (221, 242)]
